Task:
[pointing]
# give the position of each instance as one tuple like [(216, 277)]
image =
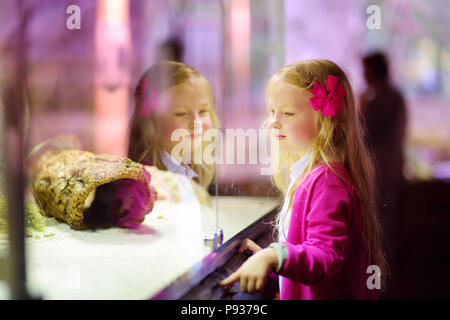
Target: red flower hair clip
[(149, 101), (329, 100)]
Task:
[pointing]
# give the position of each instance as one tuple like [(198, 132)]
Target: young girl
[(170, 96), (328, 229)]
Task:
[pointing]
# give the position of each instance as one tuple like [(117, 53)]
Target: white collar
[(295, 172), (299, 167), (173, 165)]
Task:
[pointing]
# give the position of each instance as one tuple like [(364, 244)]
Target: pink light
[(111, 97), (113, 12), (240, 48)]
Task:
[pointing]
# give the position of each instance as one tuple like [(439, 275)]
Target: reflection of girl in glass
[(329, 233), (170, 96)]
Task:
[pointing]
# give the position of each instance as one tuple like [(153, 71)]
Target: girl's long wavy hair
[(143, 139), (339, 138)]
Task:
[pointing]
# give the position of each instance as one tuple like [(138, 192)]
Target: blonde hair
[(143, 142), (338, 138)]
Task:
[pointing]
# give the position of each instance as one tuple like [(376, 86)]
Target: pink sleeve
[(320, 256)]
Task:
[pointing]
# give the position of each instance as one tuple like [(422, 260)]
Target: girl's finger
[(248, 244), (244, 281), (250, 285), (244, 246), (259, 284), (234, 277)]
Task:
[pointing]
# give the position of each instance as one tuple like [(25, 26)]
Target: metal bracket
[(214, 239)]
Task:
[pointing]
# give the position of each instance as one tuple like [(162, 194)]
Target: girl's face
[(291, 118), (186, 106)]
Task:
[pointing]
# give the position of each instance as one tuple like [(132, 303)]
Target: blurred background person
[(383, 112), (171, 49)]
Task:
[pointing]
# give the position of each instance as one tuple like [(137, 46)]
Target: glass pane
[(116, 216), (254, 51), (4, 243)]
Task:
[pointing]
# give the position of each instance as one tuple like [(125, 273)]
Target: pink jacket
[(326, 254)]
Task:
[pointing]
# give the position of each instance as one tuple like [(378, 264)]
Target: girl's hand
[(248, 244), (253, 272)]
